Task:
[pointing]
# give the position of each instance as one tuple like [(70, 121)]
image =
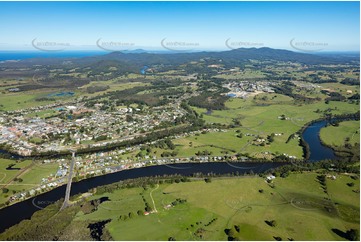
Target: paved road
[(68, 187)]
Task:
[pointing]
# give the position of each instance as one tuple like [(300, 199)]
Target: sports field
[(30, 172)]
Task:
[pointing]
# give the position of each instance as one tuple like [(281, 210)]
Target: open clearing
[(297, 203), (259, 117), (30, 178), (336, 135)]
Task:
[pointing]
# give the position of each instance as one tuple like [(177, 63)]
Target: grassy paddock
[(263, 119), (336, 135), (296, 203)]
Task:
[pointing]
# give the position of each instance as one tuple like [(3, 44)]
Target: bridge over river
[(70, 179)]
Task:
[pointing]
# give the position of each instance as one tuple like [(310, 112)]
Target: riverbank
[(340, 133), (323, 153), (158, 170), (318, 124), (204, 210), (26, 208)]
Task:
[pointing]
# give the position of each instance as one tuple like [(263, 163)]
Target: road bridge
[(70, 178)]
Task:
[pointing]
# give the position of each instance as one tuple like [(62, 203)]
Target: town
[(80, 127)]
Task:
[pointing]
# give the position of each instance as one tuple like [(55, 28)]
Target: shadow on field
[(340, 233)]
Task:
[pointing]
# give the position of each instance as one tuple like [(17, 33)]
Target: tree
[(271, 223), (170, 144), (231, 233), (353, 234), (5, 190), (208, 180), (271, 137), (148, 208), (128, 118), (237, 228)]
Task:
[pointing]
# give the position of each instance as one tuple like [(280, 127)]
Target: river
[(317, 150), (24, 210)]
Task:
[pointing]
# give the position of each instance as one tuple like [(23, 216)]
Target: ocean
[(21, 55)]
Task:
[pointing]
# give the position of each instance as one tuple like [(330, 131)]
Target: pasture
[(337, 135), (296, 203), (261, 117)]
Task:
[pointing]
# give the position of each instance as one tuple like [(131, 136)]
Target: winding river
[(13, 214), (24, 210), (317, 150)]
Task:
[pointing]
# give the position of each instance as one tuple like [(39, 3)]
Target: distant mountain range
[(242, 54), (139, 58)]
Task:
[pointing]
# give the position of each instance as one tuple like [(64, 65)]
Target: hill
[(140, 58)]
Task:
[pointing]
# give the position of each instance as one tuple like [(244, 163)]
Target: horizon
[(16, 55), (171, 51), (179, 121), (179, 26)]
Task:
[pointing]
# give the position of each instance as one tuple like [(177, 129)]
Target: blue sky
[(330, 26)]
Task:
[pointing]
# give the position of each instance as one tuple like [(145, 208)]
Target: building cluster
[(243, 89), (80, 127), (100, 163)]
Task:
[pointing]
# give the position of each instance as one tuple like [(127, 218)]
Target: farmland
[(197, 111), (347, 131), (294, 207), (259, 120), (234, 201)]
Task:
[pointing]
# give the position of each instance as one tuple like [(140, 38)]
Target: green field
[(296, 203), (336, 135), (114, 85), (31, 177), (245, 74), (252, 114), (260, 117), (341, 88), (220, 142), (21, 100), (347, 206), (8, 175), (42, 114), (39, 171), (17, 101)]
